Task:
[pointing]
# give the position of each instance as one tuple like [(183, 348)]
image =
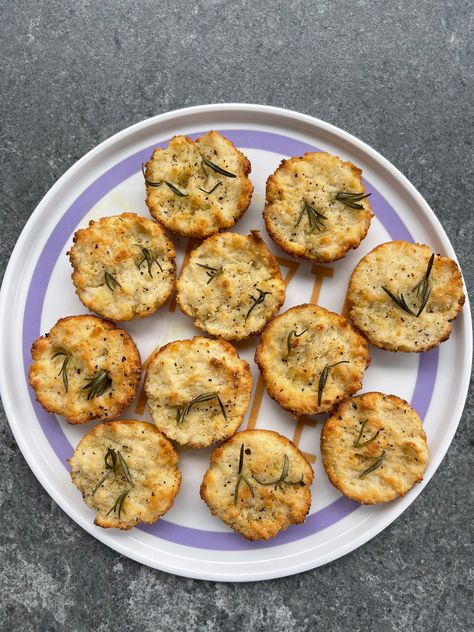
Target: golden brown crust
[(113, 245), (374, 448), (221, 306), (316, 177), (265, 510), (150, 482), (185, 369), (202, 209), (92, 345), (400, 266), (292, 379)]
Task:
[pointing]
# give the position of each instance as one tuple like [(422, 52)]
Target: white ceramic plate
[(37, 290)]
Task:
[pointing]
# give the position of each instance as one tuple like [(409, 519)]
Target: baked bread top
[(232, 285), (198, 390), (196, 188), (374, 448), (317, 207), (127, 471), (402, 296), (85, 368), (311, 358), (123, 266), (258, 483)]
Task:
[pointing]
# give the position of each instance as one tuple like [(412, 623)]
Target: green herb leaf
[(256, 301), (149, 258), (118, 505), (111, 282), (315, 218), (423, 288), (175, 190), (212, 273), (357, 443), (212, 190), (124, 468), (218, 169), (290, 336), (97, 384), (110, 461), (63, 370), (351, 199), (147, 182), (282, 478), (399, 301), (182, 411), (376, 464), (323, 378), (241, 477)]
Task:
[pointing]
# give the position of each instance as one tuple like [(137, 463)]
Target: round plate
[(37, 290)]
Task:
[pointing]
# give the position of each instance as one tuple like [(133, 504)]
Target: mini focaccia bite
[(258, 483), (123, 266), (403, 296), (85, 368), (232, 286), (310, 359), (198, 390), (196, 188), (374, 448), (317, 207), (127, 471)]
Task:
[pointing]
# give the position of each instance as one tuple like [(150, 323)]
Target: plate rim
[(161, 119)]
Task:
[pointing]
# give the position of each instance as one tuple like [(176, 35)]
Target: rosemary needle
[(376, 464), (119, 503), (351, 199), (97, 384), (111, 282), (218, 169), (182, 411), (357, 443), (323, 378), (241, 477), (211, 272), (282, 478), (147, 182), (256, 301), (63, 370), (149, 258), (290, 336)]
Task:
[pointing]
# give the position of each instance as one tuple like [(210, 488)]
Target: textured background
[(395, 74)]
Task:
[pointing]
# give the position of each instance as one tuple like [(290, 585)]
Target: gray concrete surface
[(397, 75)]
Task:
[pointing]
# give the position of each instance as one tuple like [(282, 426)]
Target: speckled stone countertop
[(396, 75)]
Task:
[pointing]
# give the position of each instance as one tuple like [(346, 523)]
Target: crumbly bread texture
[(293, 364), (315, 178), (254, 501), (142, 490), (208, 372), (232, 285), (77, 350), (123, 266), (374, 448), (400, 267), (209, 188)]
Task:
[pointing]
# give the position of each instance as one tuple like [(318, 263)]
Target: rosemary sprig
[(148, 182), (175, 190), (323, 378), (256, 301), (111, 282), (218, 169), (282, 478), (211, 272), (361, 432), (182, 411), (110, 462), (290, 336), (63, 370), (212, 190), (315, 218), (149, 258), (241, 477), (398, 300), (423, 288), (97, 384), (118, 504), (376, 464), (351, 199), (111, 458)]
